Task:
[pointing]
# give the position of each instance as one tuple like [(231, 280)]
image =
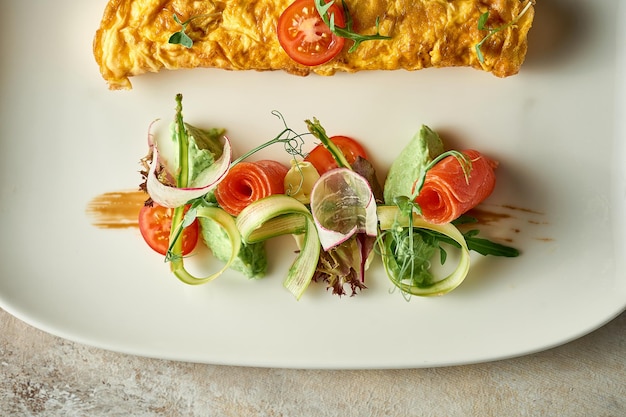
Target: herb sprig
[(181, 37), (482, 25), (480, 245), (347, 32), (477, 244)]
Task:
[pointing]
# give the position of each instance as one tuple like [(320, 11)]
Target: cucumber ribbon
[(277, 215), (225, 220)]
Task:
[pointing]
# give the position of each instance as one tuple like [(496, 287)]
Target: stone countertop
[(43, 375)]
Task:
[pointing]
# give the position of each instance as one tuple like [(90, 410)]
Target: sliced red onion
[(342, 204), (170, 196)]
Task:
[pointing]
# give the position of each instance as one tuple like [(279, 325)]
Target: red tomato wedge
[(247, 182), (447, 193), (323, 161), (155, 223), (305, 37)]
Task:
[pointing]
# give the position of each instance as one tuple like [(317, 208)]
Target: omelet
[(241, 35)]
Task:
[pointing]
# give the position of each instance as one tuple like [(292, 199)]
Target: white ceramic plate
[(556, 128)]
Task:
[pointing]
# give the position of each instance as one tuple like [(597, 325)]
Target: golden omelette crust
[(241, 35)]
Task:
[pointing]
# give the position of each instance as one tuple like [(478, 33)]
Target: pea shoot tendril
[(482, 25), (292, 141)]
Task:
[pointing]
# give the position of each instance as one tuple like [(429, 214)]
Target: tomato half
[(305, 37), (323, 161), (155, 224)]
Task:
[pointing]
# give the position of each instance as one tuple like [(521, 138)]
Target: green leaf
[(189, 217), (482, 21), (471, 233), (322, 9), (443, 255), (480, 245), (181, 38), (479, 53), (487, 247), (464, 219)]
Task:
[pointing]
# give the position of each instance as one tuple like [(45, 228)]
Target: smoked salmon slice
[(247, 182), (447, 193)]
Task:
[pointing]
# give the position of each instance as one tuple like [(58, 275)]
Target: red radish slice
[(342, 205), (170, 196)]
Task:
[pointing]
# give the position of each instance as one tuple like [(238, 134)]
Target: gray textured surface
[(42, 375)]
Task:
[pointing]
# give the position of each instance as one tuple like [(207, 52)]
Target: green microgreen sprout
[(482, 25), (410, 247), (181, 37), (347, 32), (466, 166)]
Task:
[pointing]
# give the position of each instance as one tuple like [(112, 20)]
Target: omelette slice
[(241, 35)]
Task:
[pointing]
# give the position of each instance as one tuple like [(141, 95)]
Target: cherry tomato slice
[(323, 161), (155, 224), (305, 37)]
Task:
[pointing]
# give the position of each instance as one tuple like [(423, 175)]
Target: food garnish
[(345, 31), (181, 37), (482, 25), (339, 222)]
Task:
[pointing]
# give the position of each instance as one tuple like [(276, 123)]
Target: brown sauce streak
[(116, 210), (488, 217), (525, 210), (120, 209)]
